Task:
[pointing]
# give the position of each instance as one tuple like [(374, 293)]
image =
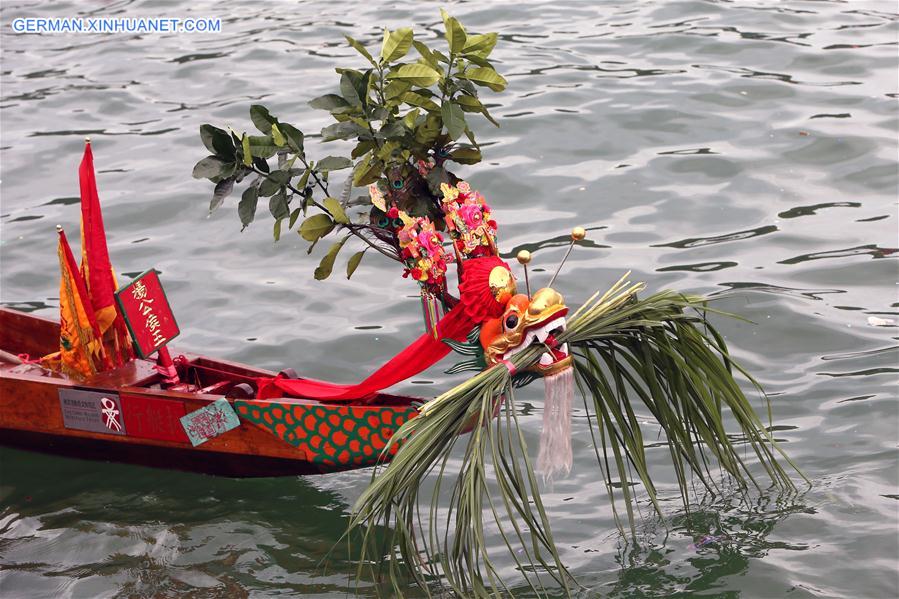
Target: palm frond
[(660, 352)]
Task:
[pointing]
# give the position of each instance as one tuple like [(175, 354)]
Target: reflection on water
[(745, 150), (715, 541)]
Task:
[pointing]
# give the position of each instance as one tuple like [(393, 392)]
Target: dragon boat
[(147, 413), (130, 415)]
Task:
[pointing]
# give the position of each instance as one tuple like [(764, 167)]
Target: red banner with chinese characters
[(147, 313)]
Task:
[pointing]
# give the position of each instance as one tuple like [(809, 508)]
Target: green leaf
[(360, 49), (472, 104), (218, 142), (466, 349), (426, 53), (466, 155), (367, 171), (396, 88), (465, 366), (261, 146), (246, 208), (208, 168), (453, 119), (276, 230), (354, 86), (464, 85), (268, 187), (416, 99), (417, 74), (332, 205), (294, 137), (247, 153), (469, 103), (280, 177), (392, 130), (304, 179), (333, 163), (278, 206), (348, 90), (477, 60), (353, 263), (293, 217), (327, 264), (329, 102), (277, 136), (222, 190), (487, 77), (480, 45), (396, 44), (410, 117), (441, 56), (362, 147), (261, 118), (261, 164), (428, 131), (346, 130), (316, 227), (455, 33)]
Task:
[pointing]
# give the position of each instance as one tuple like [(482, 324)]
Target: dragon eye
[(398, 184), (511, 321)]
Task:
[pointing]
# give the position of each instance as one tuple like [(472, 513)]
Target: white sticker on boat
[(92, 411)]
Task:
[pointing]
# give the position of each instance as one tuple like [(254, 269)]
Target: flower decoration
[(468, 219), (421, 247), (424, 166)]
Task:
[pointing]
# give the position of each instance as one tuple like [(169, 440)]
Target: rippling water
[(707, 146)]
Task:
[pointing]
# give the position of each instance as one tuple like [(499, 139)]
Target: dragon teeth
[(564, 348), (546, 359)]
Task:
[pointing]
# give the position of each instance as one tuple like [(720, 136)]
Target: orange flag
[(80, 352), (96, 268)]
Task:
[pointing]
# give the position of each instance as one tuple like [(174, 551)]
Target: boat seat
[(241, 391), (289, 373)]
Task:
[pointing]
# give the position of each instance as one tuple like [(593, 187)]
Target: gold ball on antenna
[(578, 233), (524, 257)]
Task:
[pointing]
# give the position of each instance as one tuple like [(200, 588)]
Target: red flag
[(95, 266)]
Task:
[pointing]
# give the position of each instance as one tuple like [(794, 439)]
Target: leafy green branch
[(398, 111)]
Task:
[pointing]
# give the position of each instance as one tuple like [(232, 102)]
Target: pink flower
[(471, 215), (393, 212), (430, 241)]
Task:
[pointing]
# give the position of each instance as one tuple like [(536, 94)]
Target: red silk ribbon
[(420, 355)]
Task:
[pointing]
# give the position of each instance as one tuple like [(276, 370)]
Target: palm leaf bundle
[(659, 351)]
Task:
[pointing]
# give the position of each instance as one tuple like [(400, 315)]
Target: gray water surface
[(707, 146)]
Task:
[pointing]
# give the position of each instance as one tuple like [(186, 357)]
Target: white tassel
[(555, 438)]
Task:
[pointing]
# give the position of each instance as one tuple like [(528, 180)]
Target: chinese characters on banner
[(147, 313)]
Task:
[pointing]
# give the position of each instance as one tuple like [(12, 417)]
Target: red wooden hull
[(276, 437)]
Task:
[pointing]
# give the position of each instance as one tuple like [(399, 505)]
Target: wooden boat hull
[(275, 437)]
